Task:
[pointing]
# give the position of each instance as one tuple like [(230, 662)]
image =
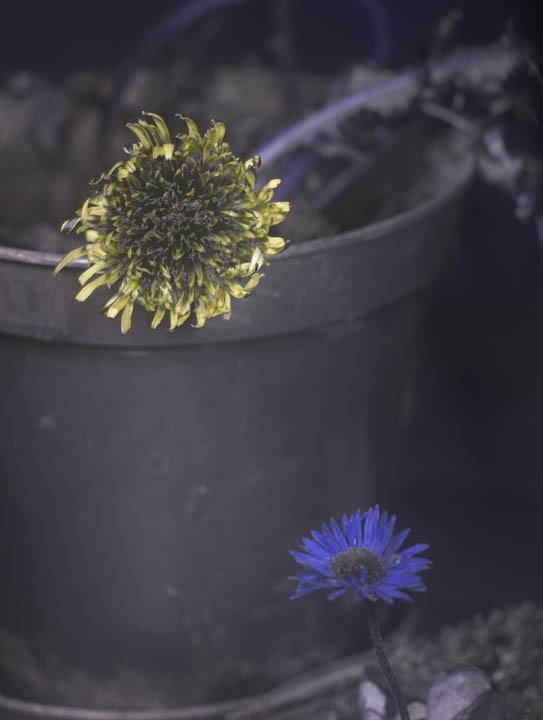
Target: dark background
[(61, 37), (479, 418)]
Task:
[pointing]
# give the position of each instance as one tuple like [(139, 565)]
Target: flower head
[(178, 227), (363, 556)]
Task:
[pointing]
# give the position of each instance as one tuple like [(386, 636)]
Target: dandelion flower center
[(348, 562)]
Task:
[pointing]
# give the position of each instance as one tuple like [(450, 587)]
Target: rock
[(463, 693), (375, 702), (488, 707), (371, 701), (417, 711)]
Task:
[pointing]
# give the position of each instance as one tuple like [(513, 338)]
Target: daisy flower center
[(348, 562)]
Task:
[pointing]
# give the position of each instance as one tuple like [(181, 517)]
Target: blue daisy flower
[(363, 556)]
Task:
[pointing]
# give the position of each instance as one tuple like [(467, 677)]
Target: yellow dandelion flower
[(178, 227)]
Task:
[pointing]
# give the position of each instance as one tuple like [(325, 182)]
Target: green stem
[(377, 641)]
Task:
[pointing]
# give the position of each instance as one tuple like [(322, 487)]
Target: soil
[(54, 137), (57, 136), (507, 645)]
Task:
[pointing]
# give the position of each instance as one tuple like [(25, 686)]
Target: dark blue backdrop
[(61, 36)]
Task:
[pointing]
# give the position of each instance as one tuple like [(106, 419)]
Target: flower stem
[(377, 641)]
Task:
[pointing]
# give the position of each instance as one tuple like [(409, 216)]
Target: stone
[(375, 703), (463, 693), (416, 710), (371, 701), (488, 707)]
